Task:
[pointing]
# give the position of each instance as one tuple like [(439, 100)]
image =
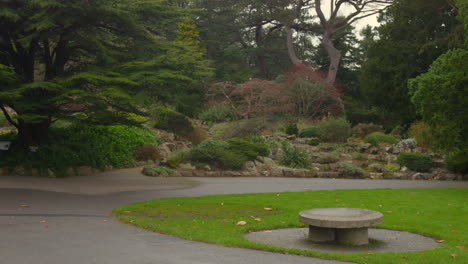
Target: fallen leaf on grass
[(460, 247), (241, 223), (267, 209), (24, 205), (126, 212), (453, 255), (440, 241), (258, 219)]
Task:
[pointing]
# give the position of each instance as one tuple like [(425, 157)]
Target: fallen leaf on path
[(104, 220), (267, 209), (394, 238), (241, 223), (24, 205), (440, 241), (268, 231), (43, 221)]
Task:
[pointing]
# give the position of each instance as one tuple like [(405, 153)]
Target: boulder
[(250, 166), (186, 166), (376, 175), (19, 171)]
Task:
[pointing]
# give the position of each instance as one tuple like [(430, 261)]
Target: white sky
[(346, 9)]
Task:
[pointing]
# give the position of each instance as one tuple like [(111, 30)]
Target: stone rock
[(186, 166), (250, 166), (276, 172), (233, 173), (70, 172), (108, 167), (373, 157), (149, 172), (176, 174), (84, 171), (376, 175), (298, 173), (409, 143), (404, 169), (165, 150), (163, 174), (439, 163), (416, 176), (363, 147), (186, 173)]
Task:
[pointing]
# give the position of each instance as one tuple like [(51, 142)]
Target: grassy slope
[(439, 213)]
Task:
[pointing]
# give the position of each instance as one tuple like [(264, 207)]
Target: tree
[(335, 23), (441, 97), (65, 57), (409, 40)]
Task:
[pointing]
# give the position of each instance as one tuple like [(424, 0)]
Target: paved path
[(67, 220)]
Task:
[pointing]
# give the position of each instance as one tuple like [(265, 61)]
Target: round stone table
[(346, 226)]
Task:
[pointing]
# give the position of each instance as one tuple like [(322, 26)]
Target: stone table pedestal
[(348, 226)]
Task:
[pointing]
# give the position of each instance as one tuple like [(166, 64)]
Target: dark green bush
[(219, 113), (415, 161), (309, 132), (170, 120), (334, 130), (458, 161), (378, 137), (232, 153), (95, 146), (247, 149), (294, 157), (291, 129), (313, 142)]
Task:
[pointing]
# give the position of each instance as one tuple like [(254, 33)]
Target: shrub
[(376, 167), (219, 113), (158, 170), (294, 157), (391, 168), (271, 143), (309, 132), (147, 152), (291, 129), (197, 135), (420, 132), (378, 137), (415, 161), (346, 169), (334, 130), (247, 149), (458, 161), (328, 158), (170, 120), (244, 129), (363, 129), (95, 146), (313, 142)]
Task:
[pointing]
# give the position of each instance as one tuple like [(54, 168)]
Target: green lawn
[(439, 213)]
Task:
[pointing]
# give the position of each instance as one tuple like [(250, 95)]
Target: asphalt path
[(67, 221)]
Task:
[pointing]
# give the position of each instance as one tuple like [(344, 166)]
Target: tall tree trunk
[(333, 54), (290, 45), (36, 133)]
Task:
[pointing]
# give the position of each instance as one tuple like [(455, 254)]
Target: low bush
[(95, 146), (157, 170), (458, 161), (309, 132), (346, 169), (247, 149), (271, 143), (294, 157), (231, 154), (415, 161), (328, 158), (376, 167), (334, 130), (378, 137), (391, 168), (219, 113), (420, 132), (363, 129), (291, 129), (313, 142), (243, 128)]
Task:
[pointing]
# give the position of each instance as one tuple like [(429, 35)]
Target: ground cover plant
[(438, 213)]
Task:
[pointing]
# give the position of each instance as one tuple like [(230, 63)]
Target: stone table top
[(341, 217)]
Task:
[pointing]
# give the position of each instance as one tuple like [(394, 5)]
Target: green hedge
[(378, 137), (415, 161), (95, 146)]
